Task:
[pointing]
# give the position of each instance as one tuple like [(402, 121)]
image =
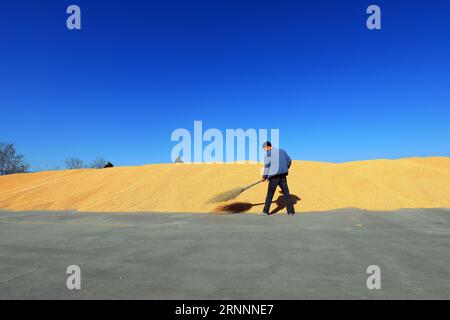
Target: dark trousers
[(273, 183)]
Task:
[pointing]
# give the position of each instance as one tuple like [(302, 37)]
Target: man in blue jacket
[(276, 167)]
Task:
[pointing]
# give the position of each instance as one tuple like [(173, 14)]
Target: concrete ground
[(219, 256)]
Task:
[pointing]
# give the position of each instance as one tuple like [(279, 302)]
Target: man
[(276, 167)]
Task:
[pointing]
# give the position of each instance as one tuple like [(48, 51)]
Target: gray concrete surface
[(212, 256)]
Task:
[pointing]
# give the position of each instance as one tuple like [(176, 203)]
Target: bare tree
[(10, 161), (109, 165), (74, 163), (98, 163)]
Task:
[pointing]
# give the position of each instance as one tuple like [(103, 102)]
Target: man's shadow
[(239, 207)]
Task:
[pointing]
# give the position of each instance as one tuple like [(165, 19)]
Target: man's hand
[(263, 179)]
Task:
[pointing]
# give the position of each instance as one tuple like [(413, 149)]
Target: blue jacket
[(276, 162)]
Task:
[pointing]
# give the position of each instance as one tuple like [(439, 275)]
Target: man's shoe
[(291, 213), (263, 213)]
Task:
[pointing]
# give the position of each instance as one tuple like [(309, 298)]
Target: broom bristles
[(228, 195), (232, 194)]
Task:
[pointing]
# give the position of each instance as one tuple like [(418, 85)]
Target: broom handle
[(252, 185)]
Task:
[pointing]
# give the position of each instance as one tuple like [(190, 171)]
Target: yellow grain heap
[(372, 185)]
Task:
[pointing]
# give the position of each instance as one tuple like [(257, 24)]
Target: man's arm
[(266, 168), (289, 160)]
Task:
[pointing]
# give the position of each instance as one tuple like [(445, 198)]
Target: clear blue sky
[(139, 69)]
